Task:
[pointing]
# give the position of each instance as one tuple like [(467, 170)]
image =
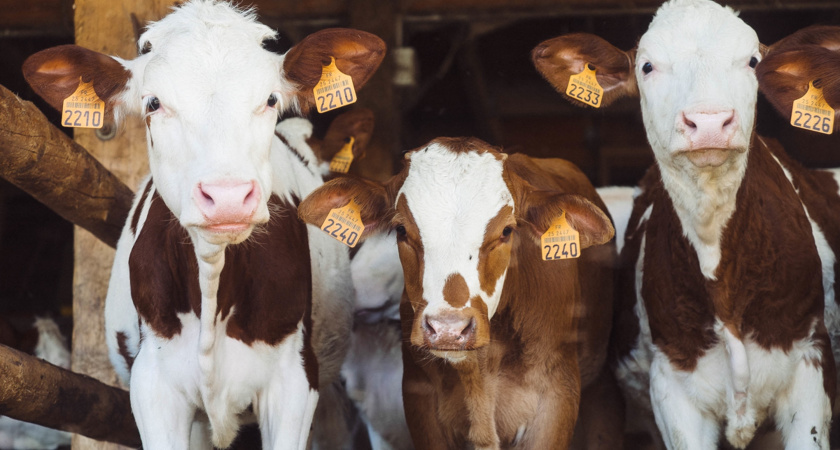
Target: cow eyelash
[(152, 105)]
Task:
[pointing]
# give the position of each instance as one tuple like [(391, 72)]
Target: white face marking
[(452, 197), (213, 79), (698, 56)]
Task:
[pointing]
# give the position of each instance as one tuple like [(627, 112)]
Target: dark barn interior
[(471, 76)]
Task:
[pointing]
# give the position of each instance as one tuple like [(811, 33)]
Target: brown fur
[(559, 58), (550, 315), (261, 279), (455, 291)]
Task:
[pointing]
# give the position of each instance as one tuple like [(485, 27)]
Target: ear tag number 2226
[(560, 241), (345, 224), (812, 112), (83, 108), (584, 87), (334, 90)]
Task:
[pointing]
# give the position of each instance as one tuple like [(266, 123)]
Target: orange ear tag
[(812, 112), (345, 224), (334, 90), (584, 87), (341, 161), (83, 108), (560, 241)]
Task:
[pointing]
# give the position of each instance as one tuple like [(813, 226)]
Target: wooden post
[(105, 26)]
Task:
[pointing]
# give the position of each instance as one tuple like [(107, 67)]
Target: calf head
[(809, 55), (459, 214), (694, 71), (210, 95)]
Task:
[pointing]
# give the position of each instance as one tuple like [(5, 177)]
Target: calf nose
[(452, 330), (227, 202), (709, 130)]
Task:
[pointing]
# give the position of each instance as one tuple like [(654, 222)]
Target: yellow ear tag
[(334, 90), (83, 108), (341, 161), (585, 88), (345, 224), (812, 112), (560, 241)]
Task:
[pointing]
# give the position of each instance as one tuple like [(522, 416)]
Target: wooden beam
[(105, 26), (36, 391), (42, 161)]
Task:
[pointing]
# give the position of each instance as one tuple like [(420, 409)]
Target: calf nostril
[(429, 328), (468, 331)]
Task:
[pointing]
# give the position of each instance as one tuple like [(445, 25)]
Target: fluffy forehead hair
[(198, 17), (682, 8)]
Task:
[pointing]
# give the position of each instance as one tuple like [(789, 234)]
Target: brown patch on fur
[(357, 53), (455, 291), (136, 217), (123, 349), (494, 255), (54, 74), (411, 256), (559, 58)]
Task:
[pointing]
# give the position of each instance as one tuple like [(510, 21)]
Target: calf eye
[(152, 105), (272, 100), (753, 62), (400, 231), (647, 68), (507, 231)]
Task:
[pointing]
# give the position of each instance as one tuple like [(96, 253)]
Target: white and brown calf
[(497, 344), (728, 274), (221, 301)]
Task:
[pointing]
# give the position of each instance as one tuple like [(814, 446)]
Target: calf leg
[(284, 409), (163, 413), (682, 424), (601, 416), (803, 412)]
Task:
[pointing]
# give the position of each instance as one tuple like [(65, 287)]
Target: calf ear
[(824, 36), (358, 123), (784, 76), (371, 196), (542, 207), (357, 53), (559, 58), (54, 74)]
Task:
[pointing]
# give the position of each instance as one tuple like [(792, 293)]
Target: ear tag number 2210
[(812, 112), (560, 241), (83, 108), (334, 90), (585, 88), (345, 224)]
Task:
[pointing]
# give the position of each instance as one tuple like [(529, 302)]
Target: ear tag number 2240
[(560, 241), (83, 108), (334, 90), (345, 224)]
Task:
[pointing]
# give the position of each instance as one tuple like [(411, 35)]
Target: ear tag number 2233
[(334, 90), (345, 224), (812, 112), (560, 241), (584, 87), (83, 108)]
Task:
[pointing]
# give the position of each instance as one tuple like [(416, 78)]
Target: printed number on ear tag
[(812, 112), (560, 241), (345, 224), (83, 108), (584, 87), (334, 90), (341, 161)]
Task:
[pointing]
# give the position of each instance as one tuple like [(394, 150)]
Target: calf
[(497, 344), (203, 329), (729, 274)]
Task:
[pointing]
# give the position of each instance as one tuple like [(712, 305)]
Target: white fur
[(619, 201), (700, 53), (452, 212)]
